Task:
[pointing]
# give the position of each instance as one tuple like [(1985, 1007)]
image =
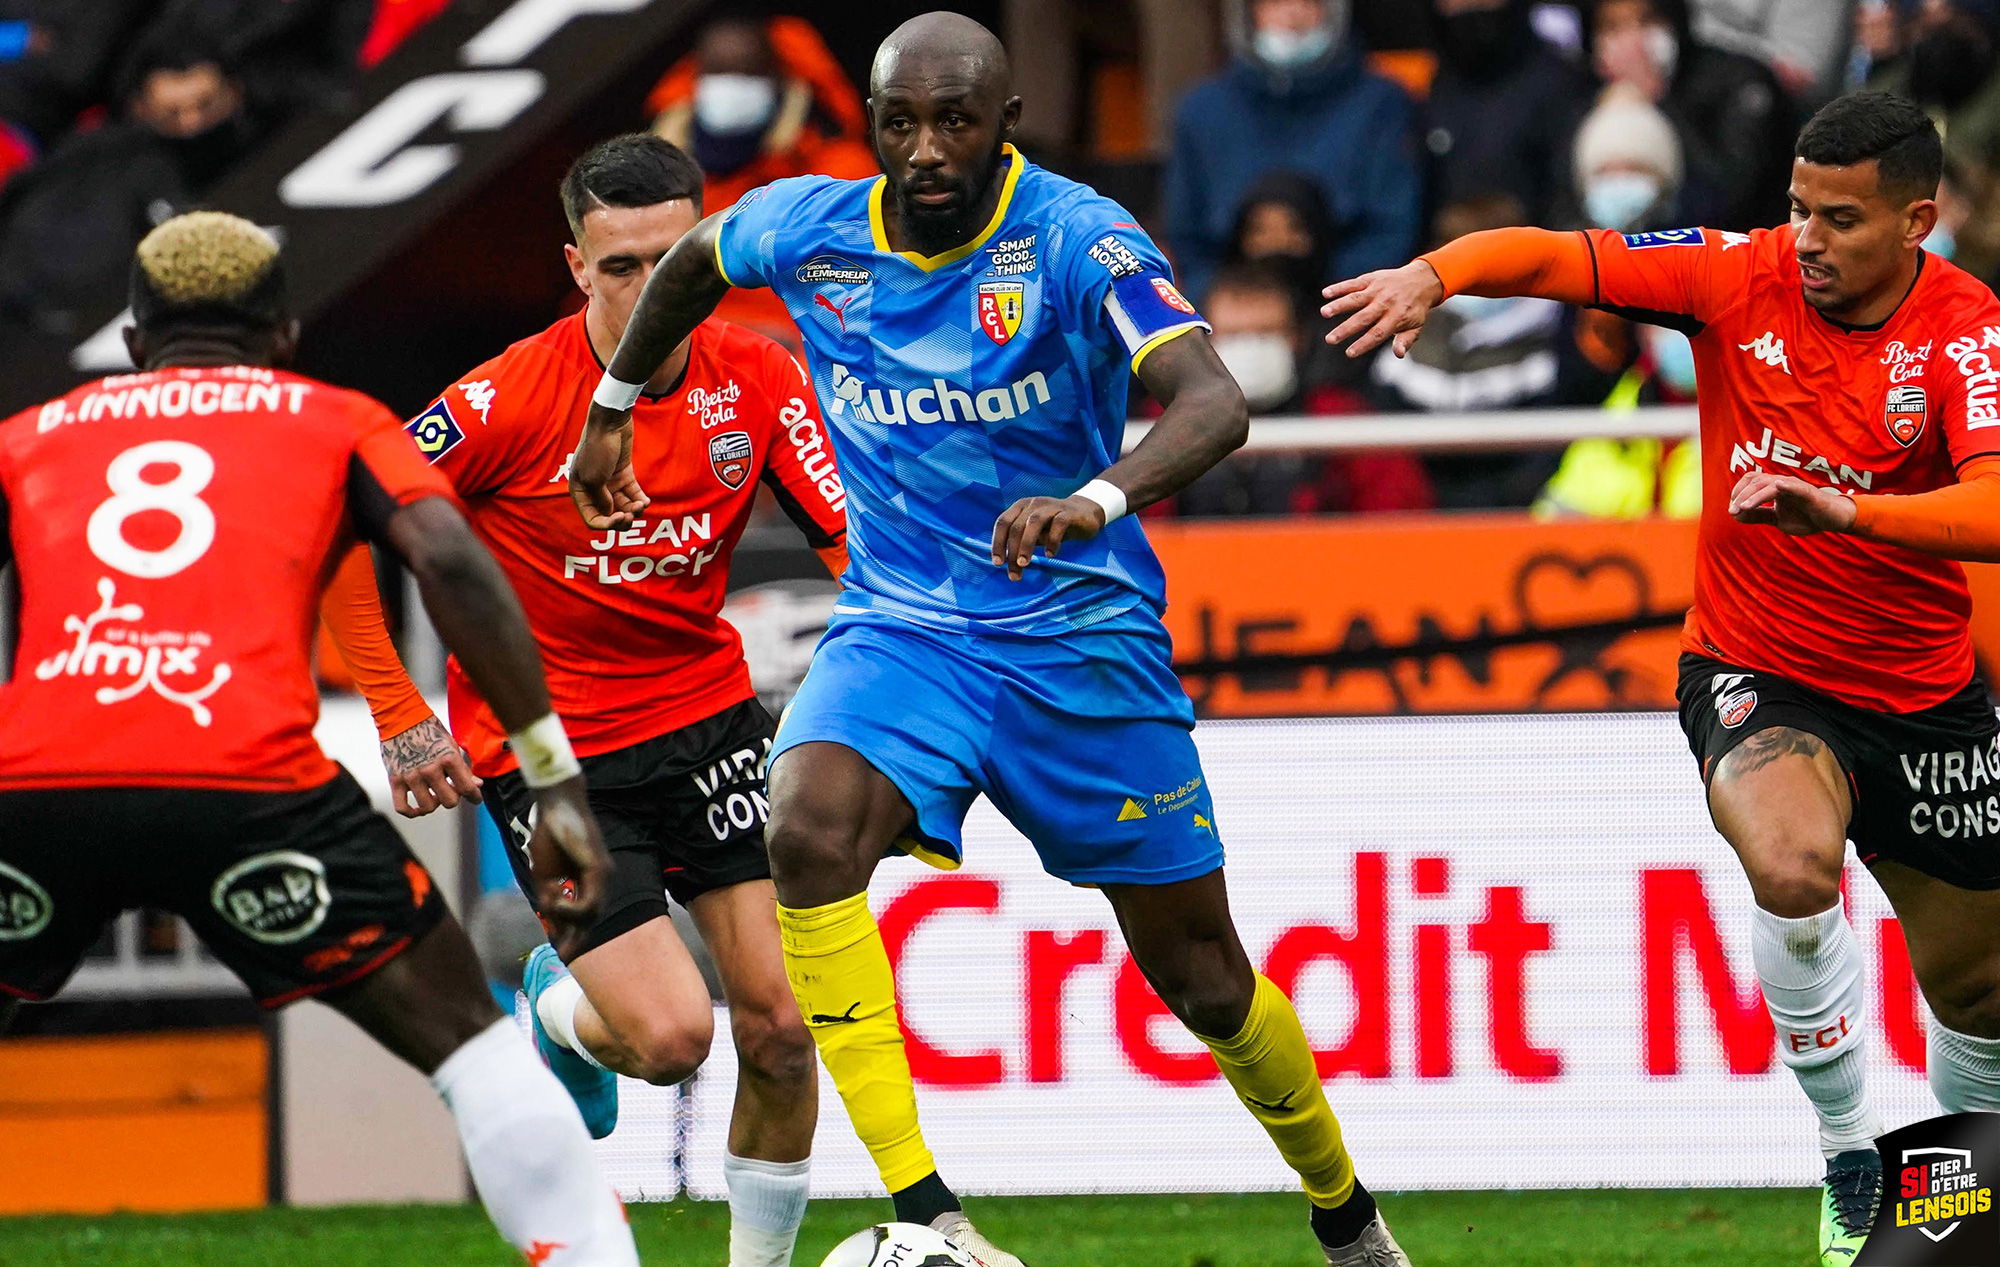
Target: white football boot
[(958, 1229), (1375, 1247)]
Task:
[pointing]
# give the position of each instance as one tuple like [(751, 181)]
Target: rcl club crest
[(1000, 306), (1171, 297), (1904, 414), (1735, 709), (729, 454)]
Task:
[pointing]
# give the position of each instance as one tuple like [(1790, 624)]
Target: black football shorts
[(682, 814), (1926, 784), (297, 892)]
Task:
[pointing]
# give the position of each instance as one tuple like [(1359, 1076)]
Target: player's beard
[(935, 230)]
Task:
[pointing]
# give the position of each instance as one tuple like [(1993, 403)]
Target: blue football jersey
[(956, 384)]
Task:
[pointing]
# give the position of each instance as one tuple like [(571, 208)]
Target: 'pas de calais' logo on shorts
[(1937, 1195), (276, 897)]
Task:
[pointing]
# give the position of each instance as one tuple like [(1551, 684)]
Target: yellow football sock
[(1271, 1066), (840, 975)]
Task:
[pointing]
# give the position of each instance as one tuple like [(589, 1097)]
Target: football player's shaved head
[(940, 48), (940, 108)]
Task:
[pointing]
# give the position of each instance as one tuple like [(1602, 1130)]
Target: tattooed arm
[(427, 770)]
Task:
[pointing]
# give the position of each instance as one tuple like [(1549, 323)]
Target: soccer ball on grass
[(897, 1245)]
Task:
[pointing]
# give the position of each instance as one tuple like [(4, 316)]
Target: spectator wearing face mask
[(1951, 50), (1481, 354), (1260, 339), (1628, 171), (1505, 102), (758, 101), (1284, 221), (1297, 95), (1735, 122), (290, 56), (68, 226)]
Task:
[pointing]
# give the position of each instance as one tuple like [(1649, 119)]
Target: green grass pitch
[(1734, 1228)]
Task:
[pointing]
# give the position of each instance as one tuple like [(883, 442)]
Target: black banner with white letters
[(1937, 1195), (348, 189)]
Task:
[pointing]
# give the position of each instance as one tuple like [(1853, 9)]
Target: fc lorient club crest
[(1904, 412), (729, 453), (1937, 1195)]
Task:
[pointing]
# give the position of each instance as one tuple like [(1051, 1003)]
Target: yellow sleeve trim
[(1164, 336), (719, 269)]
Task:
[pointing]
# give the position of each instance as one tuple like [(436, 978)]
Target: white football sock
[(1964, 1071), (1811, 974), (767, 1202), (556, 1010), (530, 1156)]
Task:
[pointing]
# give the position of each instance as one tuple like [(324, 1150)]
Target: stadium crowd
[(1306, 158)]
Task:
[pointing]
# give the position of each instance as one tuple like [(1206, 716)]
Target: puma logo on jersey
[(1768, 348), (838, 310)]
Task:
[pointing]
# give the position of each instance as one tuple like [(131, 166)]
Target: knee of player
[(1970, 1003), (1791, 878), (804, 845), (1213, 1004), (774, 1043), (670, 1054)]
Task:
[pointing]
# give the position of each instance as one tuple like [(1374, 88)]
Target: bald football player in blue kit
[(972, 322)]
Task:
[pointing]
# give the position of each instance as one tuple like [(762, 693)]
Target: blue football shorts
[(1084, 742)]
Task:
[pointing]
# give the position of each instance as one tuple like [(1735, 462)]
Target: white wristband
[(616, 393), (1107, 495), (544, 753)]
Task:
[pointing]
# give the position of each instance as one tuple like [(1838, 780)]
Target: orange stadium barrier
[(1426, 614), (154, 1122)]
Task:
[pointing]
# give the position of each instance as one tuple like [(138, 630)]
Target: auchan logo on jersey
[(940, 402), (1970, 355)]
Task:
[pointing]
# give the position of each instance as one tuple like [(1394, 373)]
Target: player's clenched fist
[(1046, 522), (1391, 304), (567, 859), (601, 482), (1790, 505)]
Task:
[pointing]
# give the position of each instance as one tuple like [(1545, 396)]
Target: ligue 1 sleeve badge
[(1904, 414), (1937, 1195)]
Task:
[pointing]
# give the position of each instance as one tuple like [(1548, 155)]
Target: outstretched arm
[(481, 621), (1959, 522), (427, 770), (1395, 303), (683, 290), (1205, 421)]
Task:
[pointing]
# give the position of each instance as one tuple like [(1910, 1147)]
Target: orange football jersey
[(1897, 408), (629, 623), (174, 531)]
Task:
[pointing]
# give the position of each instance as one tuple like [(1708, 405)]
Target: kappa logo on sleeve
[(1663, 237), (435, 431)]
